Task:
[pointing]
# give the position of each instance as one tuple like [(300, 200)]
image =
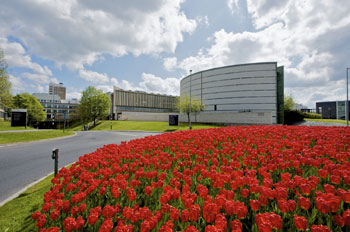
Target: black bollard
[(55, 157)]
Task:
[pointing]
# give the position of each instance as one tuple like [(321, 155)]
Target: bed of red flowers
[(248, 178)]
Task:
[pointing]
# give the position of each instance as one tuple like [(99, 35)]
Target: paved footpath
[(24, 163), (314, 123)]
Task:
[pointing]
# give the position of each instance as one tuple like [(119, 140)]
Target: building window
[(215, 108)]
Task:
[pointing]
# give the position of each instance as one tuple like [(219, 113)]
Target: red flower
[(268, 221), (174, 214), (322, 173), (321, 228), (334, 179), (80, 223), (292, 205), (41, 221), (148, 190), (339, 220), (281, 193), (106, 226), (108, 211), (82, 207), (241, 211), (245, 193), (305, 189), (53, 229), (69, 224), (66, 206), (304, 203), (92, 219), (190, 228), (236, 225), (195, 212), (346, 197), (54, 214), (329, 188), (185, 214), (300, 223), (254, 204), (283, 206), (346, 217)]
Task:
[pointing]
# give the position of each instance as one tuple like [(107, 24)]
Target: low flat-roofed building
[(332, 109), (139, 105), (56, 109)]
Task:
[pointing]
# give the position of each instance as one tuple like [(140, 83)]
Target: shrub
[(311, 115), (292, 116)]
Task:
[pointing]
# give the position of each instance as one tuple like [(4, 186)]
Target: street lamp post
[(347, 97), (189, 118)]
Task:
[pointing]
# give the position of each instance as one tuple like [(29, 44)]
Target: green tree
[(183, 105), (94, 104), (5, 84), (34, 108), (288, 102)]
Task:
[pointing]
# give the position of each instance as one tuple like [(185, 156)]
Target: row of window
[(59, 111), (143, 109), (54, 101), (59, 106), (131, 99)]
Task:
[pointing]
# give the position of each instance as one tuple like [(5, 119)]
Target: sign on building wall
[(19, 117), (173, 120)]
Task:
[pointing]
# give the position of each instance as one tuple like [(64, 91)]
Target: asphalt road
[(22, 164)]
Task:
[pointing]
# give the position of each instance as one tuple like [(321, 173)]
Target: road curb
[(41, 140)]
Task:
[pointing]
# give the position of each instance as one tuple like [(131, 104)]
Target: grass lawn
[(326, 120), (16, 137), (146, 126), (6, 125), (16, 215)]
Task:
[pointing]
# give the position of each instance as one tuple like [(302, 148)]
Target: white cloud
[(17, 83), (232, 4), (16, 56), (73, 94), (203, 20), (153, 84), (78, 32), (105, 88), (114, 81), (94, 77), (309, 38), (170, 63)]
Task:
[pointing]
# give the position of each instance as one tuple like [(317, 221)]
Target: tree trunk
[(188, 117)]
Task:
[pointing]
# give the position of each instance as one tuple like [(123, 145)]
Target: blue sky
[(150, 45)]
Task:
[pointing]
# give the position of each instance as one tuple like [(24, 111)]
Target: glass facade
[(143, 102), (341, 110)]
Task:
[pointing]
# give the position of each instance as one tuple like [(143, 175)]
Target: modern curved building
[(238, 94)]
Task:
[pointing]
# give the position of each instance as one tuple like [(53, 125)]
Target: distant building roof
[(46, 96)]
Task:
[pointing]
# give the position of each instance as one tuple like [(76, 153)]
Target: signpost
[(173, 120), (19, 117)]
